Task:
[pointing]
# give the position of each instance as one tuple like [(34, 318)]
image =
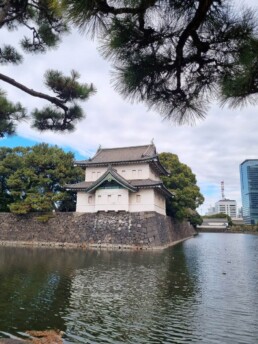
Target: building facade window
[(226, 206), (138, 198)]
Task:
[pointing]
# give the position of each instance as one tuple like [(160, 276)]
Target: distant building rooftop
[(248, 160)]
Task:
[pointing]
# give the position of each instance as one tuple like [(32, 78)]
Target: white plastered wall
[(142, 200), (129, 172), (85, 202), (120, 199), (159, 203), (111, 199), (93, 173), (136, 171)]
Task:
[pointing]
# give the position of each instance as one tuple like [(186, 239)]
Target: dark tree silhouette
[(175, 55), (44, 23)]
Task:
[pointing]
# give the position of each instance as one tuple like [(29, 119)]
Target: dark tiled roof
[(132, 185), (149, 183), (78, 186), (126, 155), (122, 154), (144, 182)]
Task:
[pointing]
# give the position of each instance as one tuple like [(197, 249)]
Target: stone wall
[(102, 229)]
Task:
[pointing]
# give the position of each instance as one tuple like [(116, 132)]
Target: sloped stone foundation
[(103, 229)]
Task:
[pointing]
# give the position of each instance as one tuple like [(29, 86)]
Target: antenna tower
[(222, 190)]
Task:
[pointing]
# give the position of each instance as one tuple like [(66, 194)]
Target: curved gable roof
[(111, 175), (132, 185)]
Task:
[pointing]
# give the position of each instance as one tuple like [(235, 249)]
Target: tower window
[(138, 198)]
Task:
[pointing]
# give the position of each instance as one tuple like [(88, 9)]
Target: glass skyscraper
[(249, 190)]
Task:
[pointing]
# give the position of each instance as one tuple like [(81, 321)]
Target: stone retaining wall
[(102, 229)]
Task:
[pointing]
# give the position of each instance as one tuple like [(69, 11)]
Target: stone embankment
[(103, 229)]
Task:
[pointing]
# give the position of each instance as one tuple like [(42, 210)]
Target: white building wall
[(121, 199), (153, 175), (228, 207), (136, 171), (93, 173), (85, 202), (129, 172), (111, 199), (159, 203), (142, 200)]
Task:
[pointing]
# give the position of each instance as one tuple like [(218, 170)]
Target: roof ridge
[(151, 144), (96, 154), (140, 146), (137, 154)]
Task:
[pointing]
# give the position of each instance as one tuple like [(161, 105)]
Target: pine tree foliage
[(183, 185), (239, 85), (67, 90), (32, 179), (44, 25), (9, 115), (5, 197), (175, 55)]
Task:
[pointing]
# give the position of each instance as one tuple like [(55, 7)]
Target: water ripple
[(203, 291)]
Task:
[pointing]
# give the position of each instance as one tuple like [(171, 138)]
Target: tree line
[(32, 179)]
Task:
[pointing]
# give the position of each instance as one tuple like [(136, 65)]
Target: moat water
[(204, 290)]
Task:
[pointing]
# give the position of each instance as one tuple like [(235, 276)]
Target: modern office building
[(249, 190), (226, 206)]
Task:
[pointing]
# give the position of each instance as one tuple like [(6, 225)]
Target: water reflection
[(204, 290), (34, 289), (132, 298)]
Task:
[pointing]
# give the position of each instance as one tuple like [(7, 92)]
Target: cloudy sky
[(213, 148)]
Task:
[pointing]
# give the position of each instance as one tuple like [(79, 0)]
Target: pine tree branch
[(33, 93), (3, 12), (8, 14), (201, 12), (104, 7), (190, 30)]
